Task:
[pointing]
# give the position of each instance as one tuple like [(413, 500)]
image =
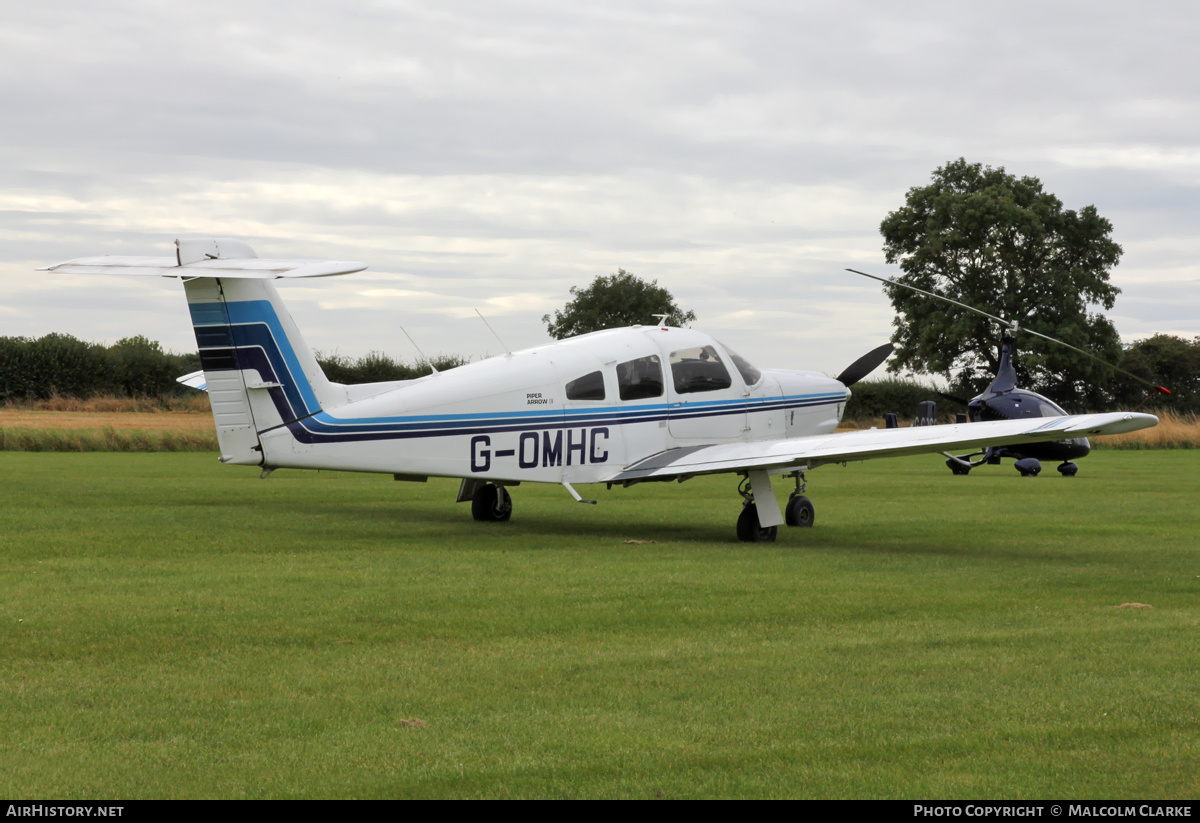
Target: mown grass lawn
[(173, 628)]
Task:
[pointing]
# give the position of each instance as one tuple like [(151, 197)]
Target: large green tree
[(1166, 360), (615, 300), (1001, 243)]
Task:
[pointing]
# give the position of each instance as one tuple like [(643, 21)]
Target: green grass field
[(174, 628)]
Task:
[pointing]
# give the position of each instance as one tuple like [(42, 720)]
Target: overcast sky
[(492, 154)]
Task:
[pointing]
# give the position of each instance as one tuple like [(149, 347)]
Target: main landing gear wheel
[(799, 512), (1068, 469), (491, 504), (1029, 467), (748, 529), (956, 467)]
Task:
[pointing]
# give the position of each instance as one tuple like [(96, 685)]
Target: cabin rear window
[(641, 378), (588, 387), (697, 370)]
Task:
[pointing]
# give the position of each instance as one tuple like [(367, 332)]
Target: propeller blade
[(864, 365), (1014, 327)]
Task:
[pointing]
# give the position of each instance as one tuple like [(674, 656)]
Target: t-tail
[(259, 373)]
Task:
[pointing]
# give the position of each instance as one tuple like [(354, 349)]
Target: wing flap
[(814, 450)]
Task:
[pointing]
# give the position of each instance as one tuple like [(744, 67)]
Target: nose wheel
[(799, 511)]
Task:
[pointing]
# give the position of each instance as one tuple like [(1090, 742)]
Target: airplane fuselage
[(575, 411)]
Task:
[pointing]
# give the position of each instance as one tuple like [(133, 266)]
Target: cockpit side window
[(641, 378), (698, 370), (588, 387)]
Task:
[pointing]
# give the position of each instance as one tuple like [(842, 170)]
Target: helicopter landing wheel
[(799, 512), (491, 504), (1029, 467), (1068, 469), (748, 529)]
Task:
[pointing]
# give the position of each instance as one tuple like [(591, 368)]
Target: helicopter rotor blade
[(1118, 369), (961, 401), (890, 282), (864, 365), (1015, 328)]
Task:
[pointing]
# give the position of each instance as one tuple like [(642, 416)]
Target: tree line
[(63, 365), (59, 364), (36, 369)]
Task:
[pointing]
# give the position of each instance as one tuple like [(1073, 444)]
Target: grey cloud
[(605, 128)]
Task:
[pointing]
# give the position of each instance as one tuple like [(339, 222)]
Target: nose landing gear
[(799, 510)]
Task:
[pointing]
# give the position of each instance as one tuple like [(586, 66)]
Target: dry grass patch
[(17, 418), (108, 424), (1174, 431), (192, 403)]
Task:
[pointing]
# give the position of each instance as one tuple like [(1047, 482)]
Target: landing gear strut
[(491, 504)]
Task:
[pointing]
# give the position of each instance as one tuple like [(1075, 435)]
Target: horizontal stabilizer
[(195, 380), (203, 257)]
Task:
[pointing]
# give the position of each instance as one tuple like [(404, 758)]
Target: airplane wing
[(809, 452)]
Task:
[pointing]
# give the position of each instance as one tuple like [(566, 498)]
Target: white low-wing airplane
[(620, 406)]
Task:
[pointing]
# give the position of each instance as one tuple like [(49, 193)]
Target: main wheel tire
[(491, 504), (799, 512), (957, 468), (1029, 467), (748, 529), (1068, 469)]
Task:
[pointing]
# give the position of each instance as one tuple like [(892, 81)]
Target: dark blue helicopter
[(1002, 400)]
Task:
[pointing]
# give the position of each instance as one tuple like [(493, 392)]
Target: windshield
[(749, 374)]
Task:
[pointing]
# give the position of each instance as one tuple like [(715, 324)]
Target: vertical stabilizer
[(260, 373)]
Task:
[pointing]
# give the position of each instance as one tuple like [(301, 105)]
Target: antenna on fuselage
[(418, 348), (507, 350), (662, 318)]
